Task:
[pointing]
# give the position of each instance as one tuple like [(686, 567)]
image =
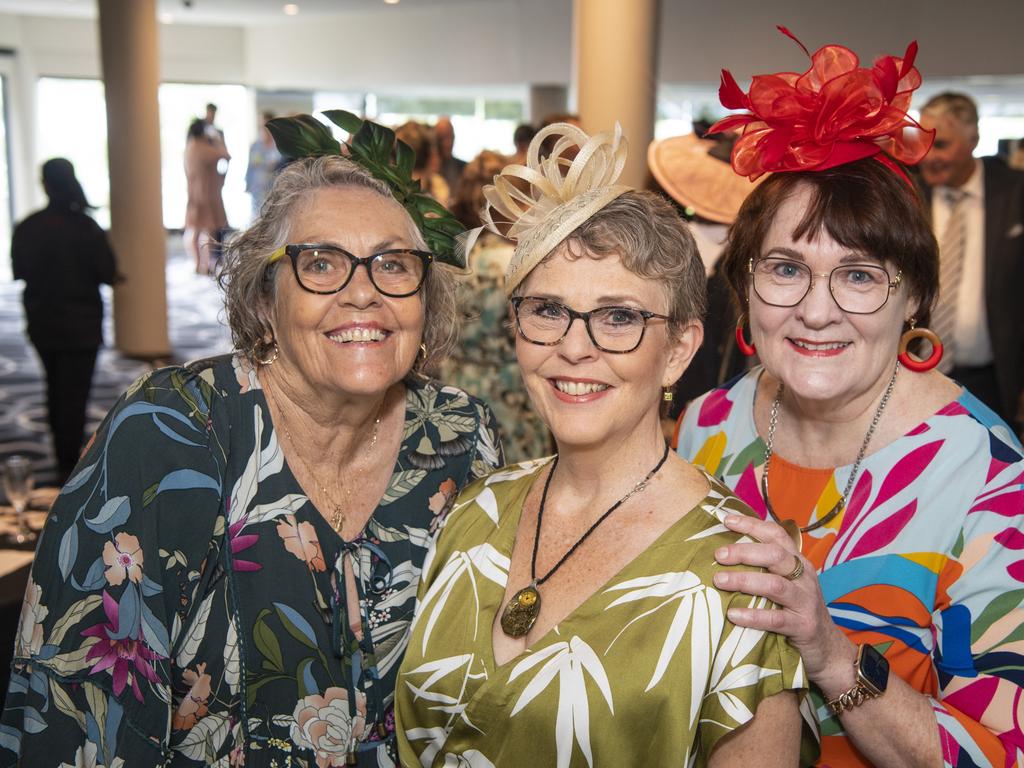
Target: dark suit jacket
[(1004, 277)]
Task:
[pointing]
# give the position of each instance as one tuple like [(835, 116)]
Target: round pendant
[(521, 612)]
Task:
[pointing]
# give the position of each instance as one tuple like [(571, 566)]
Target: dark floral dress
[(186, 603)]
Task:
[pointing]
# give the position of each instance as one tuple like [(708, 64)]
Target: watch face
[(873, 668)]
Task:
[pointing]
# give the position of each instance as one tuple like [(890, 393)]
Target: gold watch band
[(863, 689), (850, 699)]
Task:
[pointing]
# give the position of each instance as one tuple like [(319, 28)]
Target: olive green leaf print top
[(648, 670), (184, 607)]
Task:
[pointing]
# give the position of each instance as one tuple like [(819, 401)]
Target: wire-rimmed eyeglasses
[(860, 289), (612, 329), (324, 269)]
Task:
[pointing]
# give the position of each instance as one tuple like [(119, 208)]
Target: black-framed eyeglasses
[(611, 329), (324, 269), (860, 289)]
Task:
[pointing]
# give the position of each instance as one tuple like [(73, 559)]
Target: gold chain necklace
[(337, 519), (840, 505)]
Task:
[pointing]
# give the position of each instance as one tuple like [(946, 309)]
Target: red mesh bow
[(834, 113)]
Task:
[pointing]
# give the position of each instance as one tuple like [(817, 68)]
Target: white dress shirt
[(973, 343)]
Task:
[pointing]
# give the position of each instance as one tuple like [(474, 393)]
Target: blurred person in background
[(450, 166), (521, 137), (426, 170), (696, 174), (484, 363), (977, 211), (263, 162), (205, 217), (210, 122), (63, 256)]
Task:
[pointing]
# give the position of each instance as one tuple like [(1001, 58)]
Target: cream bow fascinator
[(539, 204)]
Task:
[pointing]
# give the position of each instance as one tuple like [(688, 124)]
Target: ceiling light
[(391, 2), (291, 9)]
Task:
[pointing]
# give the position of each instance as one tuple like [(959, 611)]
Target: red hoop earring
[(746, 348), (920, 366)]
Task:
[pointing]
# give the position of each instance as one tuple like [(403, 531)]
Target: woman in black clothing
[(63, 256)]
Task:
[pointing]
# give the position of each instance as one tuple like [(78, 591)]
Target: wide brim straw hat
[(540, 204), (695, 178)]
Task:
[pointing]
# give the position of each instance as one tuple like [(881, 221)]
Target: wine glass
[(18, 483)]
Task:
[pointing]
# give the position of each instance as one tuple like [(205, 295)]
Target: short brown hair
[(248, 282), (652, 241), (863, 206)]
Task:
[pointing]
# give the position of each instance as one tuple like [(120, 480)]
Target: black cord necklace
[(524, 607)]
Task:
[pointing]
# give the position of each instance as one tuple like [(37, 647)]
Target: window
[(180, 104), (72, 122)]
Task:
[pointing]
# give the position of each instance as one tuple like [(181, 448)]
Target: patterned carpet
[(195, 312)]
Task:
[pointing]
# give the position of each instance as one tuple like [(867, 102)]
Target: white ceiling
[(231, 12)]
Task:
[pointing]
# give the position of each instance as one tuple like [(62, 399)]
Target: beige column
[(128, 45), (615, 49)]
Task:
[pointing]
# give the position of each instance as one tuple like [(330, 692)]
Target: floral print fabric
[(184, 607), (485, 363), (925, 563), (647, 670)]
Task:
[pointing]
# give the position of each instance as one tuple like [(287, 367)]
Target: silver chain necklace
[(773, 422)]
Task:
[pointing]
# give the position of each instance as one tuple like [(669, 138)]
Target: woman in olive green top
[(567, 614)]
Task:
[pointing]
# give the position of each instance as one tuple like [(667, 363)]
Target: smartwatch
[(872, 678)]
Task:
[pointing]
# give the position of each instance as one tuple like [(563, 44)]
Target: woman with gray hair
[(567, 611), (229, 576)]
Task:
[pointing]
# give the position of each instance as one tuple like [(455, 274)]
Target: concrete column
[(128, 49), (615, 54), (547, 100)]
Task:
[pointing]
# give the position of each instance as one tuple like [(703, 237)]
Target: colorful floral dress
[(647, 671), (925, 563), (184, 607), (485, 363)]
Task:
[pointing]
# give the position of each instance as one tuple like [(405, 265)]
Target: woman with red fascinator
[(891, 499)]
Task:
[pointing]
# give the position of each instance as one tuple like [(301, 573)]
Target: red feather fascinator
[(834, 113)]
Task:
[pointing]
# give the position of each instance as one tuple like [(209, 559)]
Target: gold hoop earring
[(270, 360)]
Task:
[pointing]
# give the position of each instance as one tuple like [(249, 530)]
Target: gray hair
[(959, 105), (653, 241), (248, 282)]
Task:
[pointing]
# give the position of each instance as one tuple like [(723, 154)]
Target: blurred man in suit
[(977, 207), (451, 166)]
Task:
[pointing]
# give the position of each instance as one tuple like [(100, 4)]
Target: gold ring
[(798, 571)]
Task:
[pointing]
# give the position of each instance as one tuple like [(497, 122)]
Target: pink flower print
[(300, 539), (240, 542), (123, 557), (193, 704), (127, 657), (441, 502), (324, 725), (715, 409)]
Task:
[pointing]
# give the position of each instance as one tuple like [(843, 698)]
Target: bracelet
[(850, 699)]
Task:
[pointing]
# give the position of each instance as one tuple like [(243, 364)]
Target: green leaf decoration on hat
[(388, 159)]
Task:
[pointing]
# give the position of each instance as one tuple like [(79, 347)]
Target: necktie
[(951, 268)]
